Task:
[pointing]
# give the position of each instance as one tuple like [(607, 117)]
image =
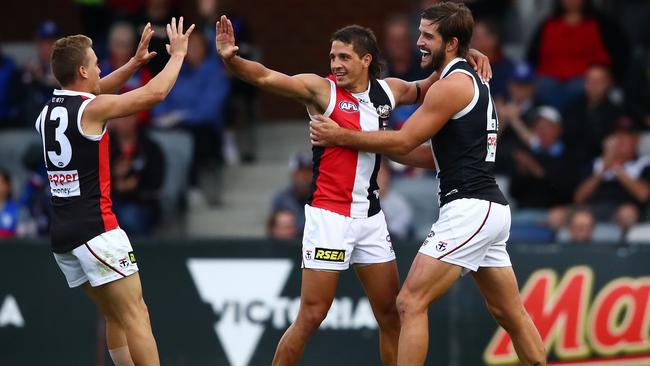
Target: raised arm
[(309, 89), (113, 82), (443, 100), (413, 92), (105, 107)]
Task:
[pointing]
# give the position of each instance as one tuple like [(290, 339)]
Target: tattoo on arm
[(417, 92)]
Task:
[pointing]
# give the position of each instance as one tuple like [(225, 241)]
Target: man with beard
[(344, 222), (459, 118)]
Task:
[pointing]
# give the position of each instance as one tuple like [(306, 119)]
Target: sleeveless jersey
[(345, 180), (78, 170), (465, 148)]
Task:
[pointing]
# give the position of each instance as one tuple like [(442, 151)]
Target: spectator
[(38, 78), (398, 212), (618, 186), (294, 198), (403, 62), (9, 91), (35, 196), (242, 102), (8, 208), (196, 104), (137, 171), (158, 13), (581, 226), (521, 105), (590, 118), (567, 43), (282, 225), (121, 46), (487, 39), (543, 178)]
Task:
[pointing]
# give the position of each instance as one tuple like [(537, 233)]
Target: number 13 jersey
[(78, 170)]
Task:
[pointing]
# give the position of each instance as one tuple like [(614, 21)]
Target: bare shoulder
[(312, 80)]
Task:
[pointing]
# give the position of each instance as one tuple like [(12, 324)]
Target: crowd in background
[(572, 97)]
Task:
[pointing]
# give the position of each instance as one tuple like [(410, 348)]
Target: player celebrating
[(459, 118), (344, 223), (88, 244)]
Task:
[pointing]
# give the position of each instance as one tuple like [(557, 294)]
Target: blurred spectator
[(581, 226), (591, 117), (8, 208), (398, 212), (35, 196), (295, 197), (9, 91), (487, 39), (196, 104), (242, 102), (574, 37), (158, 13), (121, 46), (137, 171), (282, 225), (521, 105), (618, 186), (544, 174), (38, 79), (403, 62)]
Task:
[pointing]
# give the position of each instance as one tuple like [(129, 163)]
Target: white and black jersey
[(465, 148), (78, 170)]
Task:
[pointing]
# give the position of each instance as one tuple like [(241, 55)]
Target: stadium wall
[(227, 302)]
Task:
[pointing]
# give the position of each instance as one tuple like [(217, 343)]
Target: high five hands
[(177, 39), (225, 39)]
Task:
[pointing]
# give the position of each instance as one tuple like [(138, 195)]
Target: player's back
[(78, 169), (465, 148)]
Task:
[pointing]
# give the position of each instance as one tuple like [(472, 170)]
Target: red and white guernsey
[(345, 180)]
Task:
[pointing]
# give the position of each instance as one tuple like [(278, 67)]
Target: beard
[(437, 59)]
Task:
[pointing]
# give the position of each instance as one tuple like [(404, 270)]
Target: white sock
[(121, 356)]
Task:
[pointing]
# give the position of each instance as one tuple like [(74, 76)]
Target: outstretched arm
[(105, 107), (444, 99), (413, 92), (114, 81), (306, 88)]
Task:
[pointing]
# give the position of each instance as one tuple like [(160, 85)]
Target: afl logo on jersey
[(349, 107)]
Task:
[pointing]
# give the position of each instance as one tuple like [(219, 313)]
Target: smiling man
[(459, 118), (344, 223)]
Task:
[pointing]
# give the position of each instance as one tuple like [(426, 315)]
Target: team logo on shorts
[(124, 262), (330, 255), (441, 246), (308, 254), (429, 236), (349, 107)]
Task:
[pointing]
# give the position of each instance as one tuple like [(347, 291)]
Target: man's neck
[(448, 59), (360, 86), (78, 87)]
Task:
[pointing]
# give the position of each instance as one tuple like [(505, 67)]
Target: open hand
[(142, 54), (323, 131), (177, 39), (225, 39), (480, 63)]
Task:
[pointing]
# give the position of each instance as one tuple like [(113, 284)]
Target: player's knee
[(406, 303), (311, 317), (507, 316)]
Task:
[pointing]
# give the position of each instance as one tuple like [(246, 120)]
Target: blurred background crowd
[(571, 86)]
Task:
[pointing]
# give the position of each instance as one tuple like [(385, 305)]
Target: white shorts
[(470, 233), (333, 242), (105, 258)]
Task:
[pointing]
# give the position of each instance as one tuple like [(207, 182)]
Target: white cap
[(549, 113)]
